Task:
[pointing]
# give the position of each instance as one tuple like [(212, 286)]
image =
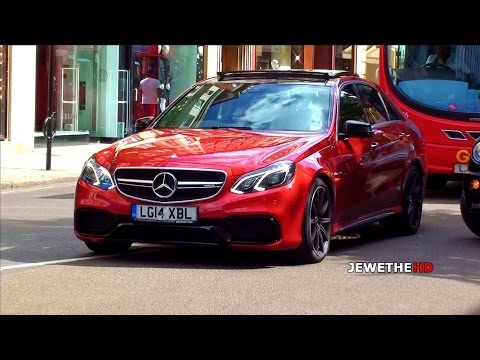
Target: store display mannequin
[(164, 75)]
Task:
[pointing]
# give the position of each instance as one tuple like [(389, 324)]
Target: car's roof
[(325, 77), (317, 74)]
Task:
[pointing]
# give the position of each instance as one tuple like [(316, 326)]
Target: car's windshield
[(444, 77), (256, 106)]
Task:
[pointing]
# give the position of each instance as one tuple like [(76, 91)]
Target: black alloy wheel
[(317, 224), (408, 221)]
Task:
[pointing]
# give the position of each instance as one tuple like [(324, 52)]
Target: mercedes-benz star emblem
[(164, 185)]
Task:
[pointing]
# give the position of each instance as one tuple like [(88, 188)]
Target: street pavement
[(22, 170), (45, 269)]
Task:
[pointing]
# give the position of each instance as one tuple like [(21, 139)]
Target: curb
[(15, 184)]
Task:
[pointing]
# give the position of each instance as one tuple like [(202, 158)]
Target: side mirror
[(354, 128), (142, 123)]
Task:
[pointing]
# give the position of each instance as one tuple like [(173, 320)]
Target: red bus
[(437, 87)]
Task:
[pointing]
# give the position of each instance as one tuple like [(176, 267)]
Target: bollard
[(49, 130)]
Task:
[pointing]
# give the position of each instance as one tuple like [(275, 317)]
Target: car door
[(405, 146), (387, 158), (352, 165)]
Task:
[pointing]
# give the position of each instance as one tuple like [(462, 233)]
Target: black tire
[(108, 248), (408, 221), (317, 224), (469, 219)]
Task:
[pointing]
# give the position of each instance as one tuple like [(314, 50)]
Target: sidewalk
[(28, 170)]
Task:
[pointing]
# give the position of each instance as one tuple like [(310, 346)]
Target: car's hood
[(238, 150)]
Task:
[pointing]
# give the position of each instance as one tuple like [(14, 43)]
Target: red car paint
[(365, 183)]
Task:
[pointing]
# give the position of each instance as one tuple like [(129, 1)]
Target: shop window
[(345, 57), (279, 57), (176, 67)]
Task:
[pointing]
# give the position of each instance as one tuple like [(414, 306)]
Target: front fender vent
[(454, 135), (475, 135)]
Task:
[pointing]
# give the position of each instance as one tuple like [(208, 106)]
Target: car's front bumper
[(263, 220)]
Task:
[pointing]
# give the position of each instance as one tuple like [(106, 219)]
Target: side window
[(373, 104), (351, 107), (391, 112)]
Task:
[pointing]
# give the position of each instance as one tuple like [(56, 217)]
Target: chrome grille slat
[(192, 184), (131, 184), (206, 183), (135, 181), (198, 187)]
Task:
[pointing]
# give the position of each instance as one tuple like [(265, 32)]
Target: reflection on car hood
[(238, 150)]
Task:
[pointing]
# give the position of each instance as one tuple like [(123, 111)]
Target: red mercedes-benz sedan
[(264, 160)]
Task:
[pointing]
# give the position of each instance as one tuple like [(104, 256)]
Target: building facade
[(94, 90)]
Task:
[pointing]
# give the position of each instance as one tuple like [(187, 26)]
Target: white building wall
[(21, 97), (214, 57), (361, 60)]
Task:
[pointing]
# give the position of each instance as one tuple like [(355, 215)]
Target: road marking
[(136, 249), (38, 226), (37, 187), (52, 262), (5, 247)]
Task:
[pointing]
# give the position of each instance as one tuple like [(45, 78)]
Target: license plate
[(168, 214), (460, 168)]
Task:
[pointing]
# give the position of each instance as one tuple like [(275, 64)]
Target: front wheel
[(108, 248), (317, 224), (472, 221), (408, 221)]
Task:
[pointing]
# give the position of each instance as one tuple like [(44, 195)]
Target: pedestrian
[(150, 88)]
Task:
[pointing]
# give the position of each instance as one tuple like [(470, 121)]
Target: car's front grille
[(169, 185)]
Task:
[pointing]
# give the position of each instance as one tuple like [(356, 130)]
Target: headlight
[(272, 176), (476, 153), (95, 174)]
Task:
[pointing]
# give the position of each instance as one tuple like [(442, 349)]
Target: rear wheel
[(108, 248), (408, 221), (472, 221), (317, 224)]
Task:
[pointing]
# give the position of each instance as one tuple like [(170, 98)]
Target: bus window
[(437, 87), (442, 77)]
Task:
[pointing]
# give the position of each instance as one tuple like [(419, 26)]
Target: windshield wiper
[(231, 127)]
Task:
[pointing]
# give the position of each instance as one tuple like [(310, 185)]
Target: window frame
[(372, 121), (355, 91)]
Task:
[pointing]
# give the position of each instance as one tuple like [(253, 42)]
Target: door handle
[(136, 94), (374, 145), (402, 136)]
